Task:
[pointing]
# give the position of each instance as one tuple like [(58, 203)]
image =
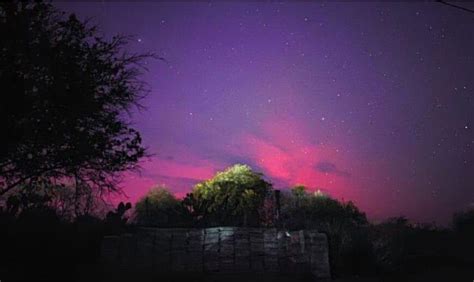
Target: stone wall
[(220, 250)]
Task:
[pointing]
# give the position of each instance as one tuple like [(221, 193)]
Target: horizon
[(370, 102)]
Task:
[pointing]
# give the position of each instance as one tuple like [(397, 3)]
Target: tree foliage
[(301, 209), (65, 90), (68, 201), (343, 223), (234, 196), (159, 207)]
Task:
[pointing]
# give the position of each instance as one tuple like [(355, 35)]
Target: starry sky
[(370, 102)]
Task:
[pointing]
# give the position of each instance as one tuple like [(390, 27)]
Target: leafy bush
[(235, 197), (343, 223), (160, 208)]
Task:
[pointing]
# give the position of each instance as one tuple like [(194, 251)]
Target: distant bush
[(343, 223), (389, 244), (159, 207), (302, 209), (463, 222)]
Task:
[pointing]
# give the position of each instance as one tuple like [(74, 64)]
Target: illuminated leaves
[(233, 196)]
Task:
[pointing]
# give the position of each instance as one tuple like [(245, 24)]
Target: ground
[(446, 274)]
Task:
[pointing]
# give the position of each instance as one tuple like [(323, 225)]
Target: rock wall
[(220, 249)]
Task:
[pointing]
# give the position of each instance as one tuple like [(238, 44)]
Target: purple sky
[(371, 102)]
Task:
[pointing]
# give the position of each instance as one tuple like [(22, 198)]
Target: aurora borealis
[(370, 102)]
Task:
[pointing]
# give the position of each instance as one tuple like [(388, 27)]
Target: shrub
[(160, 208)]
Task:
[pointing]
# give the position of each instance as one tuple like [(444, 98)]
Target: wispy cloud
[(331, 168)]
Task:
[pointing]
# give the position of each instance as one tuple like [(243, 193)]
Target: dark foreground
[(448, 274), (36, 249), (91, 273)]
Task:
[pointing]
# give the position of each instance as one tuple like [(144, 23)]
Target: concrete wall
[(220, 249)]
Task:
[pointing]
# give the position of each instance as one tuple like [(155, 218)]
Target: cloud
[(331, 168)]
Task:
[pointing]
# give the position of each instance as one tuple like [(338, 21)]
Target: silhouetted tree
[(69, 201), (65, 90), (235, 196), (115, 220)]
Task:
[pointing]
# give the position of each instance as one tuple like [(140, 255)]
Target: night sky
[(370, 102)]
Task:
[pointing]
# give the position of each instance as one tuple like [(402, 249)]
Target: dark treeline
[(38, 228), (357, 246)]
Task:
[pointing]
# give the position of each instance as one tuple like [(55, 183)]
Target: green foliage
[(299, 192), (301, 209), (232, 197), (343, 223), (65, 90), (160, 208)]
